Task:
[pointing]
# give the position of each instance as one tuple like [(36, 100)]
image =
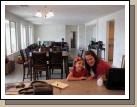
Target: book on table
[(59, 84)]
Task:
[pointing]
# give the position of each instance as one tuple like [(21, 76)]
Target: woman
[(95, 66)]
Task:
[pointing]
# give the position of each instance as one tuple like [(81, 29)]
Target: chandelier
[(45, 13)]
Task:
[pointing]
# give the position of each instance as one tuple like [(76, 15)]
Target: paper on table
[(59, 84)]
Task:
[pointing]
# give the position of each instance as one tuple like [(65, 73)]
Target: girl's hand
[(90, 78), (83, 78)]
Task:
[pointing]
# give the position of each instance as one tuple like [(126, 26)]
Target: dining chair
[(56, 61), (27, 53), (56, 48), (25, 65), (39, 60)]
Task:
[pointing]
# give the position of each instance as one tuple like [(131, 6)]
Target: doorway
[(73, 40), (110, 33)]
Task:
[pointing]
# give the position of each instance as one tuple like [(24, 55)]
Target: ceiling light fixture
[(49, 14), (38, 14), (44, 13)]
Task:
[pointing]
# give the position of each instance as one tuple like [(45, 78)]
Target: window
[(13, 37), (30, 35), (10, 31), (23, 37), (7, 32)]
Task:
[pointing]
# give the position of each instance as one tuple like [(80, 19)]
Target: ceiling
[(64, 14)]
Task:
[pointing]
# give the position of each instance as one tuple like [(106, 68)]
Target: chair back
[(39, 62), (39, 58), (56, 57), (27, 52), (47, 49), (56, 48), (22, 55), (44, 49)]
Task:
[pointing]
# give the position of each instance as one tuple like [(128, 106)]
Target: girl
[(78, 72)]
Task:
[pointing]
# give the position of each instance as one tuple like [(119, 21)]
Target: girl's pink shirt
[(82, 73)]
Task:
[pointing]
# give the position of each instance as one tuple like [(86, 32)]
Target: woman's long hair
[(92, 53)]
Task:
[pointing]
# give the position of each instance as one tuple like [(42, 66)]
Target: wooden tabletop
[(83, 87)]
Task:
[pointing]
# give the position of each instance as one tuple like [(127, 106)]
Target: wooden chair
[(56, 48), (27, 53), (39, 60), (25, 65), (56, 61)]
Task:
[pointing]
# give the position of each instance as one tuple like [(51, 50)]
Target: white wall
[(56, 32), (69, 33), (18, 21), (119, 38), (49, 32), (91, 33), (119, 34), (81, 37)]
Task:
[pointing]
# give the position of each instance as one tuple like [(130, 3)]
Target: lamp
[(44, 13)]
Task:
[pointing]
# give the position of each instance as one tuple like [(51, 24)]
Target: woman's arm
[(102, 69)]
